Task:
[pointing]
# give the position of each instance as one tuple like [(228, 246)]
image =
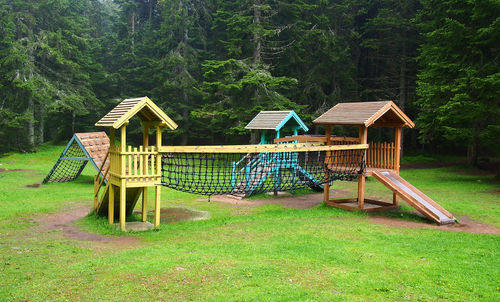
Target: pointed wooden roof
[(143, 107), (368, 114), (275, 120)]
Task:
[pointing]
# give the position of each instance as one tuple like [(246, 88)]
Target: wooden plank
[(425, 197), (326, 186), (157, 206), (257, 148), (397, 146), (144, 204), (111, 204), (363, 133), (123, 192)]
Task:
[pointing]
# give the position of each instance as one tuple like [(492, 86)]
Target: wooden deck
[(369, 171)]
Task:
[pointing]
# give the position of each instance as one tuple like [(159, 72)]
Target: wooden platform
[(370, 205), (369, 171)]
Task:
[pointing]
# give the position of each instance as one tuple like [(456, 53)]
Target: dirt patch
[(64, 221), (495, 191), (170, 215), (294, 202), (2, 170), (466, 225), (35, 185)]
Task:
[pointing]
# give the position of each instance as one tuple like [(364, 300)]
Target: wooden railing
[(137, 164), (381, 155), (317, 138)]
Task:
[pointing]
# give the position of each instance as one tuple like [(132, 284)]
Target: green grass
[(247, 253)]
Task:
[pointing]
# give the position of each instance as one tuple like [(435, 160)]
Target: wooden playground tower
[(382, 160), (131, 170)]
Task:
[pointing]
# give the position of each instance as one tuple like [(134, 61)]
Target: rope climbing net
[(246, 171), (69, 165)]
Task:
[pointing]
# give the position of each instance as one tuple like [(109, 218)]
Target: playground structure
[(291, 162), (131, 171), (82, 148), (382, 159), (263, 167)]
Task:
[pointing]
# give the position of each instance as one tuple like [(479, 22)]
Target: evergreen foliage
[(213, 65)]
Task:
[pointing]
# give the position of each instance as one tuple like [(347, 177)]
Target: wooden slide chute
[(414, 197)]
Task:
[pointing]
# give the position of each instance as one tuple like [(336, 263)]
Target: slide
[(132, 197), (414, 197)]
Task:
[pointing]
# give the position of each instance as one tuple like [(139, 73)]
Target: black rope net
[(69, 165), (246, 174)]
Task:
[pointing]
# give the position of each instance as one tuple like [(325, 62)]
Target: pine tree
[(459, 79), (238, 80)]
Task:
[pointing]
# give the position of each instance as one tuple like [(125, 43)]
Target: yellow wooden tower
[(131, 170)]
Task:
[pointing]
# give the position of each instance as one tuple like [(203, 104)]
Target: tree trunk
[(41, 125), (185, 115), (402, 89), (73, 116), (257, 35), (133, 32), (31, 125), (150, 10)]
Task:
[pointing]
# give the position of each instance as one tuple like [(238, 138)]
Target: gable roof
[(143, 107), (383, 113), (275, 120)]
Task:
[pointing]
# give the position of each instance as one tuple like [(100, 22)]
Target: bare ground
[(294, 202), (307, 201), (2, 170), (64, 221), (466, 225)]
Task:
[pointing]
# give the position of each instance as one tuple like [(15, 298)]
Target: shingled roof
[(143, 107), (275, 120), (383, 113)]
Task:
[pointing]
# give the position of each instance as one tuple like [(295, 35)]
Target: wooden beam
[(112, 139), (267, 148), (397, 147), (363, 138), (144, 204), (157, 206), (111, 204), (326, 186), (123, 148), (397, 158), (123, 195), (158, 137)]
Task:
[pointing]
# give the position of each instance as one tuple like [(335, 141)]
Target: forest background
[(213, 65)]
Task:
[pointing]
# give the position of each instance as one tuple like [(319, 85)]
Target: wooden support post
[(397, 157), (263, 136), (157, 206), (326, 186), (112, 138), (363, 134), (397, 149), (111, 204), (123, 200), (144, 204), (158, 171), (123, 149), (145, 143)]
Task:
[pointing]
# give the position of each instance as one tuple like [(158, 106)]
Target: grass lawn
[(246, 253)]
